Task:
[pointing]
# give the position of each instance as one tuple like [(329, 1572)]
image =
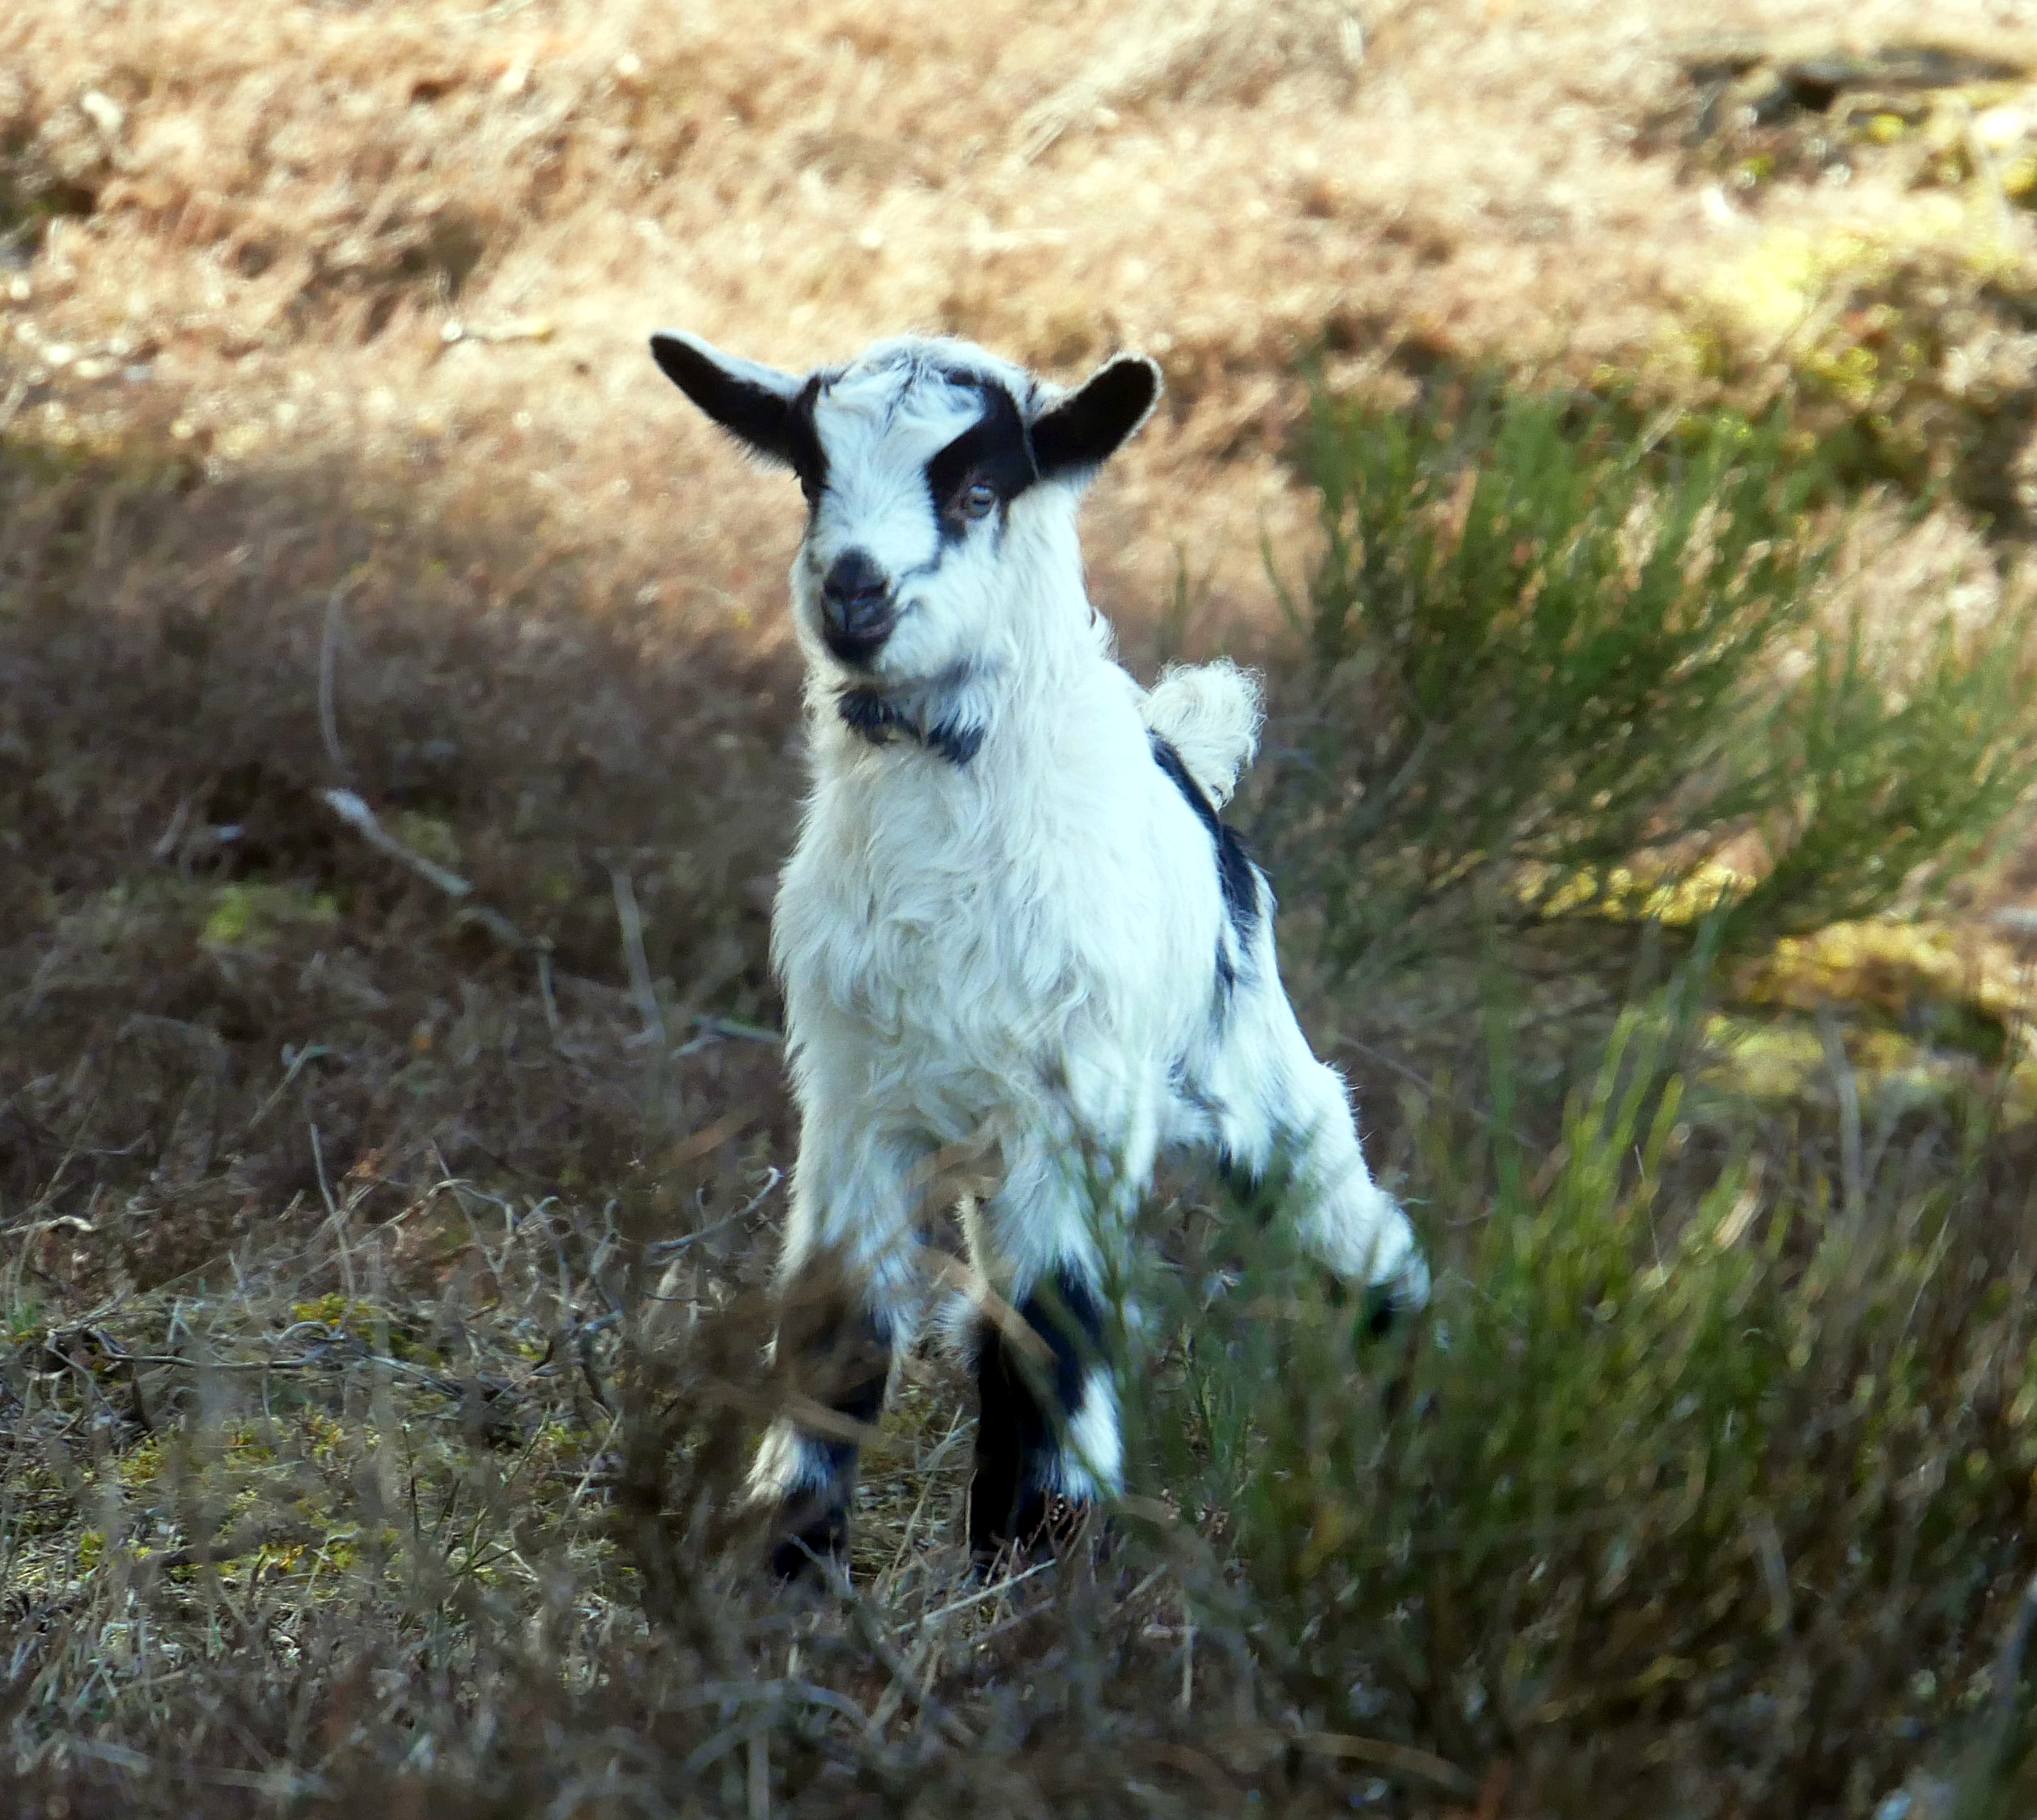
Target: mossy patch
[(1947, 986), (251, 915), (1788, 107), (1783, 1062), (1908, 351), (1649, 889)]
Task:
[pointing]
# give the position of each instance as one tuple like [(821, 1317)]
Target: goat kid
[(1012, 915)]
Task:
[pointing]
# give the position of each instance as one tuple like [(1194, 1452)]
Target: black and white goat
[(1012, 914)]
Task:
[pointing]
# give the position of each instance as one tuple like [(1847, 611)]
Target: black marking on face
[(985, 468), (970, 378), (1024, 1413), (803, 448), (1236, 874)]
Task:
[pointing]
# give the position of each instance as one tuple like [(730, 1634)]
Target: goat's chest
[(963, 944)]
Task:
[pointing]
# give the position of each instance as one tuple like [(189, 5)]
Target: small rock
[(2000, 127), (514, 329), (1719, 210), (104, 111)]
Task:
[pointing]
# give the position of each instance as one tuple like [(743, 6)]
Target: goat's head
[(924, 463)]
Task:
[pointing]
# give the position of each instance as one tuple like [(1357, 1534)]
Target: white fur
[(1092, 1462), (1027, 947), (1210, 713)]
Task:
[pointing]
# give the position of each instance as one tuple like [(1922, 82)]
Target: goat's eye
[(979, 501)]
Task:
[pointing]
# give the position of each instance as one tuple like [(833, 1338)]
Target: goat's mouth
[(855, 638)]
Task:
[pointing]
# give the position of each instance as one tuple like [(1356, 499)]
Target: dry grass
[(365, 1452), (290, 214)]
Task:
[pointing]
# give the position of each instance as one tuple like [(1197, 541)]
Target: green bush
[(1677, 1485), (1557, 658)]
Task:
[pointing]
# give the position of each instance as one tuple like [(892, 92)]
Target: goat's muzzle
[(857, 610)]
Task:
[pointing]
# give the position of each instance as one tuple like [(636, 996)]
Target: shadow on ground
[(216, 994)]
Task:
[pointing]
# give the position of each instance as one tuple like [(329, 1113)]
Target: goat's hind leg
[(1287, 1137)]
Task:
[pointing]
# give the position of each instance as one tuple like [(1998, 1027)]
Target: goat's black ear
[(1077, 435), (750, 400)]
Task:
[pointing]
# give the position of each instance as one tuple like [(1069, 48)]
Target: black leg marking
[(1025, 1408), (1240, 1179), (841, 1355), (1379, 1313), (1260, 1194)]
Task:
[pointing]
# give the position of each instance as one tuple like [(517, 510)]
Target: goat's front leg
[(1047, 1442), (846, 1305)]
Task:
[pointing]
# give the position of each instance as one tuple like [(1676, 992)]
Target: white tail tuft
[(1210, 713)]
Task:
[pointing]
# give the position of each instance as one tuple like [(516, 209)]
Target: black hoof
[(1381, 1311), (1044, 1525), (809, 1541)]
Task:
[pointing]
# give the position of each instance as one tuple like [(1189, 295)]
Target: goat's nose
[(857, 614), (855, 587)]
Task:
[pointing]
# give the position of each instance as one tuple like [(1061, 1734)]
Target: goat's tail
[(1210, 713)]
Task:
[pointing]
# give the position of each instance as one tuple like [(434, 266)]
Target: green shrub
[(1556, 659), (1720, 1483)]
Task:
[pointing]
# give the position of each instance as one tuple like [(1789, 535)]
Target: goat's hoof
[(808, 1544), (1385, 1316), (1384, 1309), (1381, 1311), (1045, 1524)]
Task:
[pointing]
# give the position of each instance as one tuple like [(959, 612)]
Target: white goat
[(1012, 914)]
